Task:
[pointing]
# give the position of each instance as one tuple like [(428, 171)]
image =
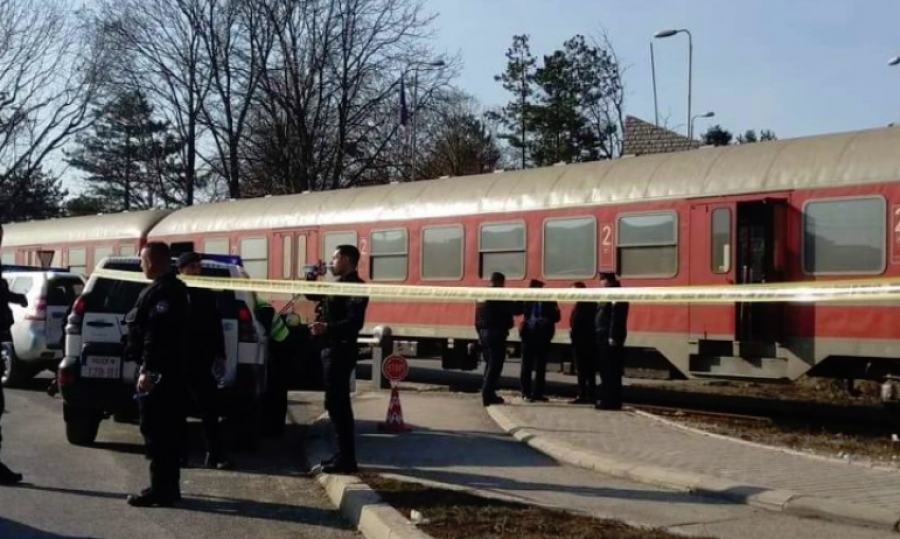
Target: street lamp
[(653, 72), (669, 33), (894, 61), (709, 114), (415, 113)]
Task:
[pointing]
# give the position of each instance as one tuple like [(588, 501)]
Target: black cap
[(186, 259), (607, 276), (536, 283)]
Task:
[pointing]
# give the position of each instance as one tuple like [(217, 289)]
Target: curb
[(786, 501), (356, 500)]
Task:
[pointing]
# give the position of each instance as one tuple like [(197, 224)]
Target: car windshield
[(119, 297)]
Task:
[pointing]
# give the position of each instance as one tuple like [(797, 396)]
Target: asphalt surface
[(80, 492)]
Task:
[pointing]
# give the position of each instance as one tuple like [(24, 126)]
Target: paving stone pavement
[(640, 439)]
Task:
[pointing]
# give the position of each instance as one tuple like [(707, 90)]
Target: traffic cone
[(394, 420)]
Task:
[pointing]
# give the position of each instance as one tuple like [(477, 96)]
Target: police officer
[(275, 399), (612, 330), (537, 330), (7, 476), (584, 342), (157, 341), (493, 320), (340, 319), (207, 348)]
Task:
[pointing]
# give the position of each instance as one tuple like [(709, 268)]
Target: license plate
[(101, 367)]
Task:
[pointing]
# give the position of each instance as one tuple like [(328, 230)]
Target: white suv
[(96, 382), (37, 331)]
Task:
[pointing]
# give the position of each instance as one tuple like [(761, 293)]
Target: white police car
[(37, 331), (96, 382)]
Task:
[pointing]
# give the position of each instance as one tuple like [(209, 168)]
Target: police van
[(96, 382), (37, 330)]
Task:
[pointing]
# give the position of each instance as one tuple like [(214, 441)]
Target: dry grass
[(457, 515)]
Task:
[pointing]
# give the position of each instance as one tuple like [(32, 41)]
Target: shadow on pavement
[(11, 529)]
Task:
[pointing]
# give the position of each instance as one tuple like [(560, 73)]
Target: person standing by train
[(7, 476), (340, 320), (158, 329), (584, 342), (537, 330), (493, 320), (612, 330), (207, 348)]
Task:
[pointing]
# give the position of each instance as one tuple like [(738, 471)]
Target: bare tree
[(49, 74), (329, 111), (160, 52)]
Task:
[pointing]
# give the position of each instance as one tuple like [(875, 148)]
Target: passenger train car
[(805, 209)]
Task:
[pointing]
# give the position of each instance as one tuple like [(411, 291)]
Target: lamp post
[(709, 114), (415, 114), (669, 33), (894, 61), (653, 72)]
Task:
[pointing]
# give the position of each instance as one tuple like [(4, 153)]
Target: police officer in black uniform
[(7, 476), (340, 319), (493, 320), (584, 345), (612, 330), (539, 320), (157, 341), (207, 346)]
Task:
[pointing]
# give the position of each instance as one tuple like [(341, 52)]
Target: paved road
[(79, 492), (456, 442)]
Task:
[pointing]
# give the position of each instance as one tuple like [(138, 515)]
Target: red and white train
[(796, 210)]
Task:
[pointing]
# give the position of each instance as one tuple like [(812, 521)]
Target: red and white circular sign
[(395, 368)]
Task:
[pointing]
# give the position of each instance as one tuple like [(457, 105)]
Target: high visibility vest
[(279, 331)]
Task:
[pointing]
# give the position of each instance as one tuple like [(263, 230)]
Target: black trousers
[(493, 350), (535, 351), (612, 368), (163, 428), (204, 392), (338, 362), (584, 350)]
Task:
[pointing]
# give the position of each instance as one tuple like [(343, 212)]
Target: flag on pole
[(404, 112)]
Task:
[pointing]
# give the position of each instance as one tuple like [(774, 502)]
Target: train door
[(297, 248), (759, 258), (711, 263)]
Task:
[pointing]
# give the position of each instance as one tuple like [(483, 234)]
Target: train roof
[(113, 226), (854, 158)]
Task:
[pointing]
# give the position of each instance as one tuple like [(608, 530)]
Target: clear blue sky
[(799, 67)]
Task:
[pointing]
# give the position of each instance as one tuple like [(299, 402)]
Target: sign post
[(395, 368)]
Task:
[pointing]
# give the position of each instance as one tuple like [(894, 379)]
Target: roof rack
[(35, 269)]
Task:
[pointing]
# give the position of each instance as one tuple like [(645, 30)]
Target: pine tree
[(130, 158), (518, 79)]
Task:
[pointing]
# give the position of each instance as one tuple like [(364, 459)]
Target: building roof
[(854, 158), (113, 226), (644, 138)]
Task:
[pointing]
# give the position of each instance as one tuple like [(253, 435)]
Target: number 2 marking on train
[(606, 230)]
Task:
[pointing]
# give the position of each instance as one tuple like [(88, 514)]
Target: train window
[(331, 240), (8, 258), (216, 247), (255, 254), (648, 245), (287, 242), (301, 254), (389, 256), (78, 260), (102, 252), (844, 236), (442, 252), (126, 250), (721, 240), (570, 247), (502, 248)]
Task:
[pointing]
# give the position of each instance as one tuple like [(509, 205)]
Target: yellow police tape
[(827, 291)]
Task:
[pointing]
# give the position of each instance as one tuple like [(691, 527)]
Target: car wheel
[(15, 371), (81, 424)]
